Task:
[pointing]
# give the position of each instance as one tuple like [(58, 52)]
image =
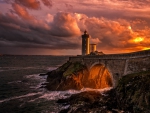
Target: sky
[(54, 27)]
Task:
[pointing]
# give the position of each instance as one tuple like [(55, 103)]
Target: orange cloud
[(32, 4), (115, 35), (22, 12)]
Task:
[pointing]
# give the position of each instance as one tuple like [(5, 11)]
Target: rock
[(92, 102), (68, 76), (64, 111), (133, 92), (42, 74), (132, 95), (77, 76)]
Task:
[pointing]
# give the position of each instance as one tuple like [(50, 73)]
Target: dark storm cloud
[(64, 25), (33, 34)]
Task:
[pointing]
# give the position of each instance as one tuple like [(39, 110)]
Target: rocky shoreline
[(132, 94), (90, 102)]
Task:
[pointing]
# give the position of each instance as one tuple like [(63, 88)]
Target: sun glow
[(129, 27), (138, 39), (146, 48)]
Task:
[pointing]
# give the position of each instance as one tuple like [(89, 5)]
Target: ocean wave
[(51, 68), (19, 81), (46, 94), (22, 96), (97, 90), (54, 95)]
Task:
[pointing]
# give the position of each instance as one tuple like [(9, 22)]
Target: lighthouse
[(85, 43)]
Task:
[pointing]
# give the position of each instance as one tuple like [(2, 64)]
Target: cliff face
[(99, 77), (91, 102), (133, 92), (68, 76), (77, 76), (132, 95)]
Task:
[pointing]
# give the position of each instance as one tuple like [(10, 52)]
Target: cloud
[(32, 4), (111, 9), (65, 29), (22, 12), (49, 18), (64, 25), (118, 34), (47, 3), (69, 7), (35, 34)]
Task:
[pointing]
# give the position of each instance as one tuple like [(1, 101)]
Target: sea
[(21, 89)]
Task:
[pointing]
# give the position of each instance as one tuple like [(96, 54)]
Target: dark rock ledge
[(91, 102), (132, 94)]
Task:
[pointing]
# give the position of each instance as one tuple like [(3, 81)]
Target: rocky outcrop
[(133, 92), (132, 95), (68, 76), (91, 102), (77, 76)]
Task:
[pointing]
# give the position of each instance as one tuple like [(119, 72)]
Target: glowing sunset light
[(129, 27), (146, 48), (56, 26), (101, 76), (138, 39), (78, 16)]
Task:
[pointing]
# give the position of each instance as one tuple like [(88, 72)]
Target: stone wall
[(138, 65), (116, 68), (138, 54), (118, 64)]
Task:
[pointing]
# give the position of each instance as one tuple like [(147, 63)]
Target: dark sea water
[(20, 84)]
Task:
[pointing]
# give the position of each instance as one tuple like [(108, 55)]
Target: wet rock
[(133, 92), (64, 111), (132, 95), (68, 76), (77, 76), (42, 74), (91, 102)]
